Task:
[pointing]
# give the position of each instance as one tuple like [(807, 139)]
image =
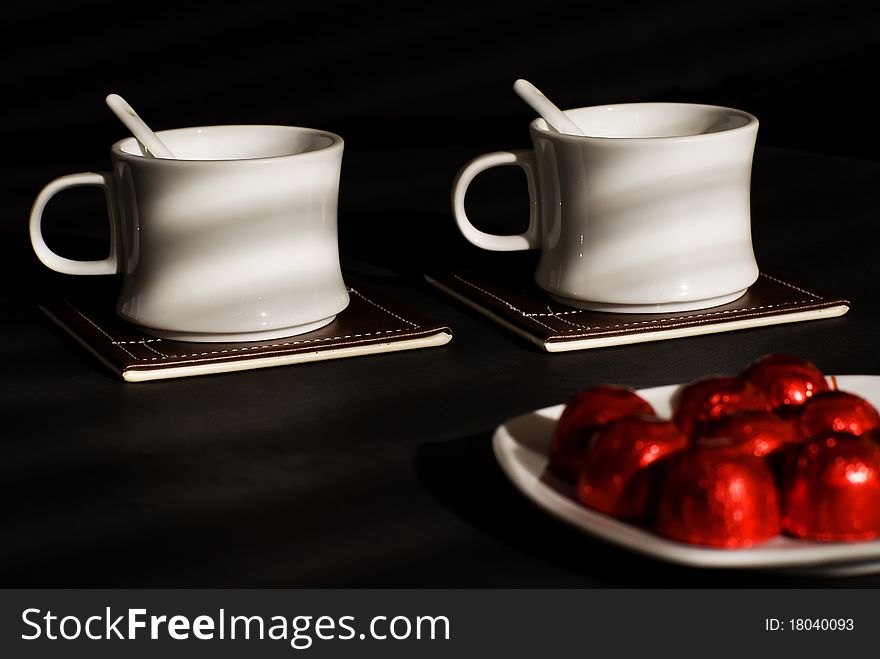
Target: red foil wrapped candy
[(703, 402), (588, 411), (837, 412), (718, 496), (831, 489), (786, 380), (756, 433), (619, 475)]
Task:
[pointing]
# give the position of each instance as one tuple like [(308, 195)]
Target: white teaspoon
[(148, 139), (555, 118)]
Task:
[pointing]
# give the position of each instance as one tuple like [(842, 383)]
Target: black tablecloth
[(378, 470)]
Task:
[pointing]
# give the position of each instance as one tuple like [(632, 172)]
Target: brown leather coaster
[(370, 324), (509, 296)]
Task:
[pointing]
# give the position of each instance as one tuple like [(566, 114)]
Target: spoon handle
[(138, 128), (555, 118)]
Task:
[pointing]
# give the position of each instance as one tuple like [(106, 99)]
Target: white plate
[(521, 447)]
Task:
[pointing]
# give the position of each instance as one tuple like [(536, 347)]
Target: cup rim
[(751, 121), (336, 142)]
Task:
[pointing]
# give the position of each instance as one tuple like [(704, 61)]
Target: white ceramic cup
[(235, 240), (648, 212)]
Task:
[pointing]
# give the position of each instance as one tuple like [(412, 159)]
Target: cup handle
[(50, 259), (524, 159)]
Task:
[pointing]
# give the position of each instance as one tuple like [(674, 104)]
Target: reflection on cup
[(235, 240), (649, 211)]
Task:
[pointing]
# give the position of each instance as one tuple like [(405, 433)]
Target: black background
[(422, 84), (378, 471), (429, 74)]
